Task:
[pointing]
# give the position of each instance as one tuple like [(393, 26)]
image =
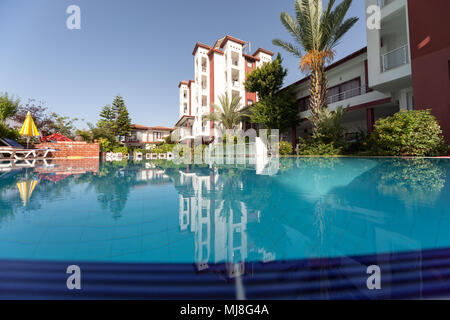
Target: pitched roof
[(270, 53), (162, 128)]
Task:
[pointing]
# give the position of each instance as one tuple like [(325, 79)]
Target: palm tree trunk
[(318, 93)]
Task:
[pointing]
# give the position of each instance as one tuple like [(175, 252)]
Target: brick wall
[(70, 166), (73, 149)]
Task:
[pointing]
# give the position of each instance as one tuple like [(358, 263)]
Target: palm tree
[(317, 32), (229, 114)]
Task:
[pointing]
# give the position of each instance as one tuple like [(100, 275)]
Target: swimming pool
[(158, 212)]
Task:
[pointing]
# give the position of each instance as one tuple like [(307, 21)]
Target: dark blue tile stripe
[(420, 274)]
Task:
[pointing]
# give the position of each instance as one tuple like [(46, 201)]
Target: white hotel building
[(372, 83), (220, 69), (406, 65)]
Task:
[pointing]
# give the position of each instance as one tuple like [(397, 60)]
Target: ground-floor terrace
[(357, 119)]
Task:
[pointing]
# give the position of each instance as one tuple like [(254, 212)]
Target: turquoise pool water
[(161, 212)]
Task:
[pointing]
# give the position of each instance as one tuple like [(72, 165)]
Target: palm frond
[(342, 30), (290, 25), (287, 46)]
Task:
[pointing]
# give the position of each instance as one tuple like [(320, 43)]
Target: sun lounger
[(14, 150)]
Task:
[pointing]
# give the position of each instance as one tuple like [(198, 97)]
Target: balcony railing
[(304, 106), (347, 94), (394, 58), (383, 3)]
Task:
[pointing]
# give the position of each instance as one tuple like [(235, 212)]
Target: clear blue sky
[(138, 48)]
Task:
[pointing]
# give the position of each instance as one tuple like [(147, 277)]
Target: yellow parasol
[(26, 189), (29, 128)]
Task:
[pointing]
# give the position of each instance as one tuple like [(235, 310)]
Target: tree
[(8, 106), (39, 113), (107, 118), (229, 113), (122, 121), (318, 33), (266, 80), (276, 108), (63, 125)]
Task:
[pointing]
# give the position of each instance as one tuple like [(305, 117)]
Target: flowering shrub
[(408, 133), (285, 148)]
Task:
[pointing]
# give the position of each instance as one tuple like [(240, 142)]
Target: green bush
[(329, 127), (6, 132), (317, 148), (285, 148), (408, 133), (123, 150), (143, 151)]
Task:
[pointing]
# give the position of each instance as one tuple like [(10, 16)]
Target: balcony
[(383, 3), (347, 94), (395, 58)]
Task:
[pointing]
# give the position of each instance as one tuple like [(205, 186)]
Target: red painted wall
[(429, 27), (249, 95)]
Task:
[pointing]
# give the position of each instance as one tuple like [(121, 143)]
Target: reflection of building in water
[(153, 175), (218, 220)]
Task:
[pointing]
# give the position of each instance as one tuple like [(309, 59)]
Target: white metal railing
[(204, 69), (347, 94), (395, 58), (236, 84), (383, 3)]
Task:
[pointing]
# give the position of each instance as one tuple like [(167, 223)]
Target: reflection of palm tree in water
[(113, 185)]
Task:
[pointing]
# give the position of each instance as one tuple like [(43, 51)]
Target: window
[(157, 135), (303, 104), (249, 102), (249, 64)]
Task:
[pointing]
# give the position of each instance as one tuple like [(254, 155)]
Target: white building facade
[(372, 83), (220, 69)]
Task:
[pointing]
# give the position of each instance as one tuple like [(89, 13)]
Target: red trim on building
[(227, 38), (212, 50), (369, 104), (270, 53), (249, 57), (370, 117), (161, 129), (190, 96), (200, 45), (332, 66), (185, 117), (294, 138), (366, 75), (363, 106), (182, 83), (249, 95)]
